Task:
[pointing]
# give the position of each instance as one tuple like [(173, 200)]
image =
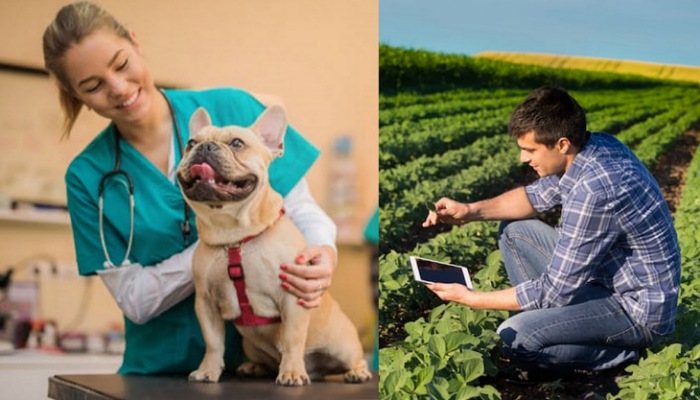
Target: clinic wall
[(318, 58)]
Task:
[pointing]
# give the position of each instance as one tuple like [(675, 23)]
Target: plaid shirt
[(615, 230)]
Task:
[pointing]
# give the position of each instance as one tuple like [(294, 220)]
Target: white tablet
[(431, 271)]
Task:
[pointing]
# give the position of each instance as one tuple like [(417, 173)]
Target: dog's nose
[(208, 147)]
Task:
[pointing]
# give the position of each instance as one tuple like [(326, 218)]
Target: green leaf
[(439, 388), (389, 381), (695, 353), (435, 313), (473, 368), (424, 376), (490, 392), (443, 327), (467, 392), (666, 384), (436, 345), (466, 355), (414, 329), (466, 316), (454, 340), (392, 285)]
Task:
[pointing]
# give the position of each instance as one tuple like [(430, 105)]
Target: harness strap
[(235, 272)]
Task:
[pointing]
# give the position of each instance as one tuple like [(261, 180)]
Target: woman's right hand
[(448, 211)]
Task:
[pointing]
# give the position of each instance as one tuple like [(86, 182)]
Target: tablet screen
[(426, 270)]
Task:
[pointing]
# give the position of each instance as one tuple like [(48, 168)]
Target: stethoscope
[(129, 186)]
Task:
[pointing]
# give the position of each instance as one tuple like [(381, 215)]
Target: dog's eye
[(236, 143), (190, 144)]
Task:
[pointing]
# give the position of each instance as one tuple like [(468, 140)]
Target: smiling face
[(545, 160), (107, 74)]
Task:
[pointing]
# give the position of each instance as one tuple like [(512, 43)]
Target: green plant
[(443, 356), (669, 374)]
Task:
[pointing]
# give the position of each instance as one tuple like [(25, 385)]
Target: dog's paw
[(292, 378), (205, 375), (358, 374), (250, 369)]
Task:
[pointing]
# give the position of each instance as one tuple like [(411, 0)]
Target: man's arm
[(511, 205), (495, 300)]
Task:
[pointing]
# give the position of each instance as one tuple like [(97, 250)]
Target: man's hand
[(448, 211), (455, 292), (308, 281)]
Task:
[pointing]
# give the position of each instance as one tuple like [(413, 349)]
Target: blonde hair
[(71, 25)]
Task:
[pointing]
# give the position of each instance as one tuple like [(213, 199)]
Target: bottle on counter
[(342, 189)]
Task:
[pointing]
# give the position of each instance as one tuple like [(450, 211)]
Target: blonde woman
[(98, 64)]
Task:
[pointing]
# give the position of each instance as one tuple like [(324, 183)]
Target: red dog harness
[(235, 272)]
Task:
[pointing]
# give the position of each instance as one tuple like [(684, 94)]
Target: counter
[(122, 387), (32, 374), (24, 374)]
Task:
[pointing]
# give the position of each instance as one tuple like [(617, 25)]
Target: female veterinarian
[(130, 223)]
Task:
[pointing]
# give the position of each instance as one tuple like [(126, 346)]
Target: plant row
[(403, 102), (402, 218), (672, 112), (445, 109), (410, 99), (394, 181), (402, 142), (651, 148)]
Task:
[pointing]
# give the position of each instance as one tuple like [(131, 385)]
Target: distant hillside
[(424, 71), (661, 71)]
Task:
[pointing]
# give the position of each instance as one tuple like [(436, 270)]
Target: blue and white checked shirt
[(616, 230)]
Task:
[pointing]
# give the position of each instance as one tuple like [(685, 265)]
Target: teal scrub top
[(372, 236), (372, 228), (171, 342)]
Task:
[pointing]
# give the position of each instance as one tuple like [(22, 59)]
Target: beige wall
[(319, 57)]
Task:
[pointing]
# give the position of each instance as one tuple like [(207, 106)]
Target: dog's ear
[(271, 126), (199, 120)]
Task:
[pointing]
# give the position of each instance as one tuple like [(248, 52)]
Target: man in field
[(601, 286)]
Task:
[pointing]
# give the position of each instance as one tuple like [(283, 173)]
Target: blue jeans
[(593, 332)]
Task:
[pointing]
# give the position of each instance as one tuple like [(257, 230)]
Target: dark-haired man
[(601, 286)]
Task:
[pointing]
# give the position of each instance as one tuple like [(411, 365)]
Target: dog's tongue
[(204, 171)]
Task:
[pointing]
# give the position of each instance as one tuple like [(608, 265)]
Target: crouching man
[(600, 287)]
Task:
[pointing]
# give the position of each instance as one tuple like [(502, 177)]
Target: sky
[(666, 32)]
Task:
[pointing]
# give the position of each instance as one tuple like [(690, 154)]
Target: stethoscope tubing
[(130, 189), (129, 185)]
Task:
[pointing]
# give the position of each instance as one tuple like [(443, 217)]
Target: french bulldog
[(223, 176)]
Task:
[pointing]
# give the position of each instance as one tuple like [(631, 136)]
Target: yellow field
[(662, 71)]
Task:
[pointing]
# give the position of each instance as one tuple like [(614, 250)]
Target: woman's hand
[(310, 275), (447, 211)]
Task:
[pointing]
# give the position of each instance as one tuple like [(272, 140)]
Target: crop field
[(443, 132)]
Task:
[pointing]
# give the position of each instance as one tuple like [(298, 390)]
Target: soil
[(671, 168), (583, 387)]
